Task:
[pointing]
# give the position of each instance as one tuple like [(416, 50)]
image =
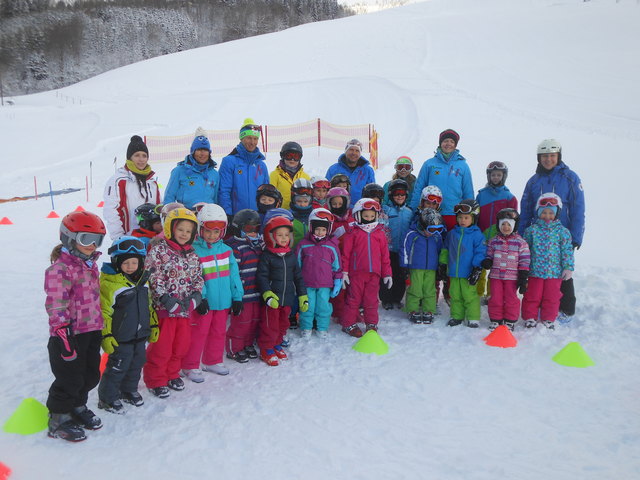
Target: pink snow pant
[(273, 326), (504, 303), (207, 338), (243, 328), (363, 290), (164, 357), (543, 295)]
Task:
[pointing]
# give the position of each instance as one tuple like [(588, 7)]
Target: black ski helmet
[(373, 190), (500, 167), (511, 213), (291, 147), (468, 206), (147, 215), (398, 185)]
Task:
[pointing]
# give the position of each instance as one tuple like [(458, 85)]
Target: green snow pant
[(422, 290), (465, 302)]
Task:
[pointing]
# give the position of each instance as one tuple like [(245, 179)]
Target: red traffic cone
[(6, 221), (501, 337), (5, 471), (53, 214), (101, 204), (79, 209)]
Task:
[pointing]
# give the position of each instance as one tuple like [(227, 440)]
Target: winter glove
[(170, 303), (345, 280), (236, 307), (271, 299), (487, 263), (203, 308), (196, 299), (388, 281), (303, 303), (109, 343), (337, 286), (155, 333), (68, 344), (566, 275), (523, 275), (441, 273), (474, 276), (576, 246)]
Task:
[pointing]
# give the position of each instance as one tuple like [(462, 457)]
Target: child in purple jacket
[(319, 256), (75, 325)]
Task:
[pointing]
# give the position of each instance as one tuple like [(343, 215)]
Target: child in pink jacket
[(365, 259)]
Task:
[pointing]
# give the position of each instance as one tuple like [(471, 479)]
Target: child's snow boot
[(160, 392), (415, 317), (280, 353), (134, 398), (61, 425), (353, 330), (427, 318), (240, 357), (511, 324), (371, 326), (218, 368), (453, 322), (86, 418), (531, 323), (269, 357), (472, 323), (550, 324), (193, 374), (176, 384), (114, 407)]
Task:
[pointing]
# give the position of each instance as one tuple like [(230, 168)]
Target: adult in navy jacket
[(352, 164), (449, 171), (242, 172), (195, 179), (553, 175)]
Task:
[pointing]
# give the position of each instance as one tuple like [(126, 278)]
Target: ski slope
[(441, 404)]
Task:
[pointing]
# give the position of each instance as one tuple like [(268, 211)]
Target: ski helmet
[(373, 190), (508, 214), (398, 186), (468, 206), (272, 224), (550, 145), (366, 204), (431, 221), (174, 216), (212, 216), (321, 217), (291, 151), (268, 190), (83, 228), (497, 167), (147, 215), (346, 200), (432, 194), (127, 247), (166, 208), (340, 178), (301, 188), (246, 221), (549, 200), (404, 163)]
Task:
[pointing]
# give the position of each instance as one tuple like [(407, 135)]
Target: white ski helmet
[(212, 216), (431, 193), (365, 204), (321, 217), (549, 200), (550, 145)]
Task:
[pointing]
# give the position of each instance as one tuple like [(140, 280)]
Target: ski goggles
[(462, 208), (435, 229), (128, 246), (214, 225), (302, 191), (297, 156), (86, 239), (250, 228), (399, 193), (250, 131), (328, 216), (322, 184), (371, 205), (433, 198), (496, 165), (404, 167), (548, 202)]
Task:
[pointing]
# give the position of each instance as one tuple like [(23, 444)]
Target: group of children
[(184, 288)]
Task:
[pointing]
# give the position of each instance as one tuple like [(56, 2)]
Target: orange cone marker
[(79, 209), (6, 221), (501, 337), (101, 204), (5, 471), (53, 214)]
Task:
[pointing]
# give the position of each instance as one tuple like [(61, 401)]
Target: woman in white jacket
[(130, 187)]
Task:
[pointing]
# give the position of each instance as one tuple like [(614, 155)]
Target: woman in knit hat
[(130, 187), (195, 179)]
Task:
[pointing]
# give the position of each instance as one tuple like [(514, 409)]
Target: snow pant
[(484, 285), (319, 308), (465, 303), (396, 292), (504, 303), (74, 379), (123, 370), (273, 326), (338, 304), (164, 357), (421, 294), (543, 295), (243, 328), (207, 338), (363, 290), (568, 300)]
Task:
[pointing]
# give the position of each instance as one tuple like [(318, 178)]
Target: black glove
[(441, 274), (203, 308), (487, 263), (236, 307), (576, 246), (170, 303), (523, 276), (474, 276), (67, 341)]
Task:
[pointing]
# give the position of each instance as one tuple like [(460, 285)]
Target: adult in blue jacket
[(195, 179), (242, 172), (553, 175), (352, 164), (449, 171)]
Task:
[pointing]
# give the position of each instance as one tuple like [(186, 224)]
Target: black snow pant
[(396, 292), (75, 379), (122, 373), (568, 300)]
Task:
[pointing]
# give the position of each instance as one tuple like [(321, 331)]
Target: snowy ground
[(441, 404)]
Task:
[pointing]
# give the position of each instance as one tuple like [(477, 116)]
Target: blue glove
[(337, 286)]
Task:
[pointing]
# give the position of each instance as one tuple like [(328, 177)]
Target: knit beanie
[(136, 145), (449, 133), (249, 129)]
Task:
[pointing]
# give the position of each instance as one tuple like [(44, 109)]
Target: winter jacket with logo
[(283, 182), (319, 260), (281, 274), (191, 183), (366, 252), (358, 176), (565, 183), (222, 284), (419, 251), (464, 249), (241, 173), (247, 256), (509, 254), (73, 294), (452, 176), (492, 199), (551, 249)]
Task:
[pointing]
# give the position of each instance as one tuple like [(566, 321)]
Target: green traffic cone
[(30, 417), (371, 342), (573, 355)]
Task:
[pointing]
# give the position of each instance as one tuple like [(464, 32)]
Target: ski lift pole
[(86, 186), (51, 194), (35, 186)]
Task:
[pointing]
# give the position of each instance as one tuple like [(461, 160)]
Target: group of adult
[(234, 186)]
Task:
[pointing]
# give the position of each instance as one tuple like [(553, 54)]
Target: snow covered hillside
[(441, 404)]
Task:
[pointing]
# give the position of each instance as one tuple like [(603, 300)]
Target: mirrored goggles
[(371, 205), (303, 191), (214, 225), (297, 156), (548, 202), (250, 228), (435, 228), (85, 239), (462, 208), (433, 198), (322, 184), (399, 193), (404, 167), (128, 246)]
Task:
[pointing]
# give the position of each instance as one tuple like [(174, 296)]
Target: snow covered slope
[(441, 404)]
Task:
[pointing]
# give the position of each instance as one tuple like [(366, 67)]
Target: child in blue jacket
[(222, 291), (461, 259), (419, 253)]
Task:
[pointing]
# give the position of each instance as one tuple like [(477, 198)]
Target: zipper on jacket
[(284, 286), (458, 253), (369, 251)]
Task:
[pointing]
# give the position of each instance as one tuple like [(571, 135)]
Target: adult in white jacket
[(130, 187)]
